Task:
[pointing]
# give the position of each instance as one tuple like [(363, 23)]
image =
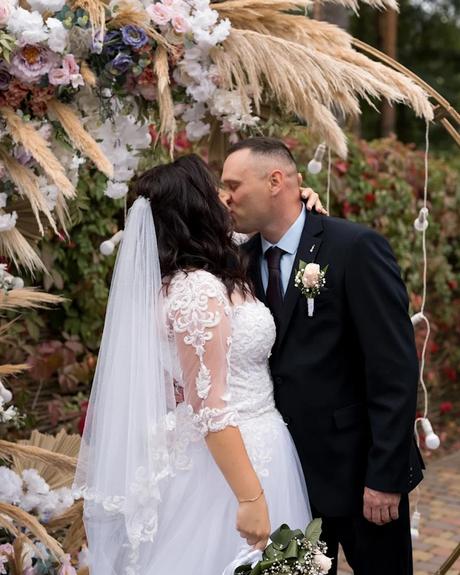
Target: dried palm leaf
[(38, 147), (167, 118), (29, 298), (15, 247), (83, 571), (79, 137), (70, 515), (9, 369), (65, 465), (132, 12), (75, 537), (63, 445), (7, 524), (32, 524), (28, 186)]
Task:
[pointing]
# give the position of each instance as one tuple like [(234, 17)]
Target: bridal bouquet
[(292, 553)]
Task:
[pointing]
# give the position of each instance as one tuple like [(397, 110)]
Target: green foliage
[(429, 45)]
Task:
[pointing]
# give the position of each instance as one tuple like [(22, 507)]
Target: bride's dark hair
[(193, 227)]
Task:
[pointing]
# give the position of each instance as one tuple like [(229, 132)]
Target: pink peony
[(310, 275), (32, 62), (159, 13)]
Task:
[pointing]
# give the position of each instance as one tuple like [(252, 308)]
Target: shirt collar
[(291, 239)]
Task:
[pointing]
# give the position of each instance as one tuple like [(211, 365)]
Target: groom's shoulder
[(345, 231)]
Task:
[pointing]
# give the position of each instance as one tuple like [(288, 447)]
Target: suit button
[(278, 380)]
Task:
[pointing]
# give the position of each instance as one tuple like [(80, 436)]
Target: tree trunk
[(388, 35)]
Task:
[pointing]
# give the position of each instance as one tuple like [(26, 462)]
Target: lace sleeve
[(199, 315)]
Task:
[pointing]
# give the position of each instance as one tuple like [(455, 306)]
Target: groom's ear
[(299, 179), (275, 181)]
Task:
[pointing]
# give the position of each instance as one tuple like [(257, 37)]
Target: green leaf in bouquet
[(313, 531), (282, 536), (292, 551), (273, 552), (243, 569)]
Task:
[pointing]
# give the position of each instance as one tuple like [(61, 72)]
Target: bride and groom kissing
[(294, 357)]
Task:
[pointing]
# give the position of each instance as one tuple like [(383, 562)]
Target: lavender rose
[(134, 36), (120, 64)]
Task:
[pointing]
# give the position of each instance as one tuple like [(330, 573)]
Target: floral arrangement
[(310, 279), (291, 552)]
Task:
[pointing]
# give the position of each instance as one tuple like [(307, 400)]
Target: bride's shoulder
[(196, 283)]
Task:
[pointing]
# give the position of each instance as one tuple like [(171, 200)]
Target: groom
[(345, 372)]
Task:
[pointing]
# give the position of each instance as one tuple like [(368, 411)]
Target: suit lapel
[(307, 251)]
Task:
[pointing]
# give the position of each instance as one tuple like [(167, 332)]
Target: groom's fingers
[(385, 515), (394, 512), (367, 512)]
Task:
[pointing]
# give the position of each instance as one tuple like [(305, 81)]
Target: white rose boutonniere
[(310, 279)]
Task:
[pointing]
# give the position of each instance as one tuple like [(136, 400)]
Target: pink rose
[(180, 24), (5, 11), (310, 275), (59, 77), (159, 13), (323, 562)]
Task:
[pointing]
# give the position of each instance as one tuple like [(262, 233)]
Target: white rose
[(58, 37), (323, 562), (310, 275)]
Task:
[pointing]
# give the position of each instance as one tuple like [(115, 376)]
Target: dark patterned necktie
[(274, 288)]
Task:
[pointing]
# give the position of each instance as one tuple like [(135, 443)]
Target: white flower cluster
[(196, 72), (29, 27), (10, 414), (30, 492), (120, 138)]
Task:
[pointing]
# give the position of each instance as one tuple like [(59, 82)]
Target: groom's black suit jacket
[(346, 378)]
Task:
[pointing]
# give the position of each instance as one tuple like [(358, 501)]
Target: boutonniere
[(310, 279)]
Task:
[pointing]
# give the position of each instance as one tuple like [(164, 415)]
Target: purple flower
[(134, 36), (31, 62), (120, 64), (113, 43), (5, 76)]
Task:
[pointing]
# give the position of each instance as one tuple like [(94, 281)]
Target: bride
[(185, 462)]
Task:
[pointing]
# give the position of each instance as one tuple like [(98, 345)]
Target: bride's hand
[(312, 200), (253, 522)]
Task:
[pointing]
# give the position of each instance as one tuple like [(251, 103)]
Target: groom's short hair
[(264, 146)]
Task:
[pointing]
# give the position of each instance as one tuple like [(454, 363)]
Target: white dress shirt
[(289, 243)]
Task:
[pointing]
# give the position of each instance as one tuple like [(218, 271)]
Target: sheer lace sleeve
[(199, 316)]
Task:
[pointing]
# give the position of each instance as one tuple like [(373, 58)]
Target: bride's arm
[(200, 314)]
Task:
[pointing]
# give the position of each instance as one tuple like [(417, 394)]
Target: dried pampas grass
[(79, 137), (167, 118), (28, 186), (8, 369), (29, 298), (15, 247), (23, 133)]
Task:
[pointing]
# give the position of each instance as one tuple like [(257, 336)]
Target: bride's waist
[(263, 414)]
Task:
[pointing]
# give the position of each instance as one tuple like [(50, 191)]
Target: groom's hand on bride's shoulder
[(380, 507), (312, 201)]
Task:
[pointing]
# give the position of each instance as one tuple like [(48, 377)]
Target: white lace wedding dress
[(223, 349)]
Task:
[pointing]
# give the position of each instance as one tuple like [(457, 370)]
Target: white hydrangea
[(58, 35), (10, 486), (8, 221), (50, 191), (116, 190), (27, 26), (47, 5), (34, 483), (197, 130)]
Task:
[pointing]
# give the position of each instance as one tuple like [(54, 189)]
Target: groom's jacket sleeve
[(378, 305)]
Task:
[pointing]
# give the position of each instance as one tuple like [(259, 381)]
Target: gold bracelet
[(251, 500)]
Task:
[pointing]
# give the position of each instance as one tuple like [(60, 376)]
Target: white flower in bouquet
[(27, 26), (8, 221), (116, 190), (10, 486), (323, 562), (47, 5), (197, 130), (58, 35), (6, 8)]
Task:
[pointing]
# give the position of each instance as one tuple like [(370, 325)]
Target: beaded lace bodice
[(223, 349)]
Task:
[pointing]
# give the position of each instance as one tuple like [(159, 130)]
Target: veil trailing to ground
[(124, 458)]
